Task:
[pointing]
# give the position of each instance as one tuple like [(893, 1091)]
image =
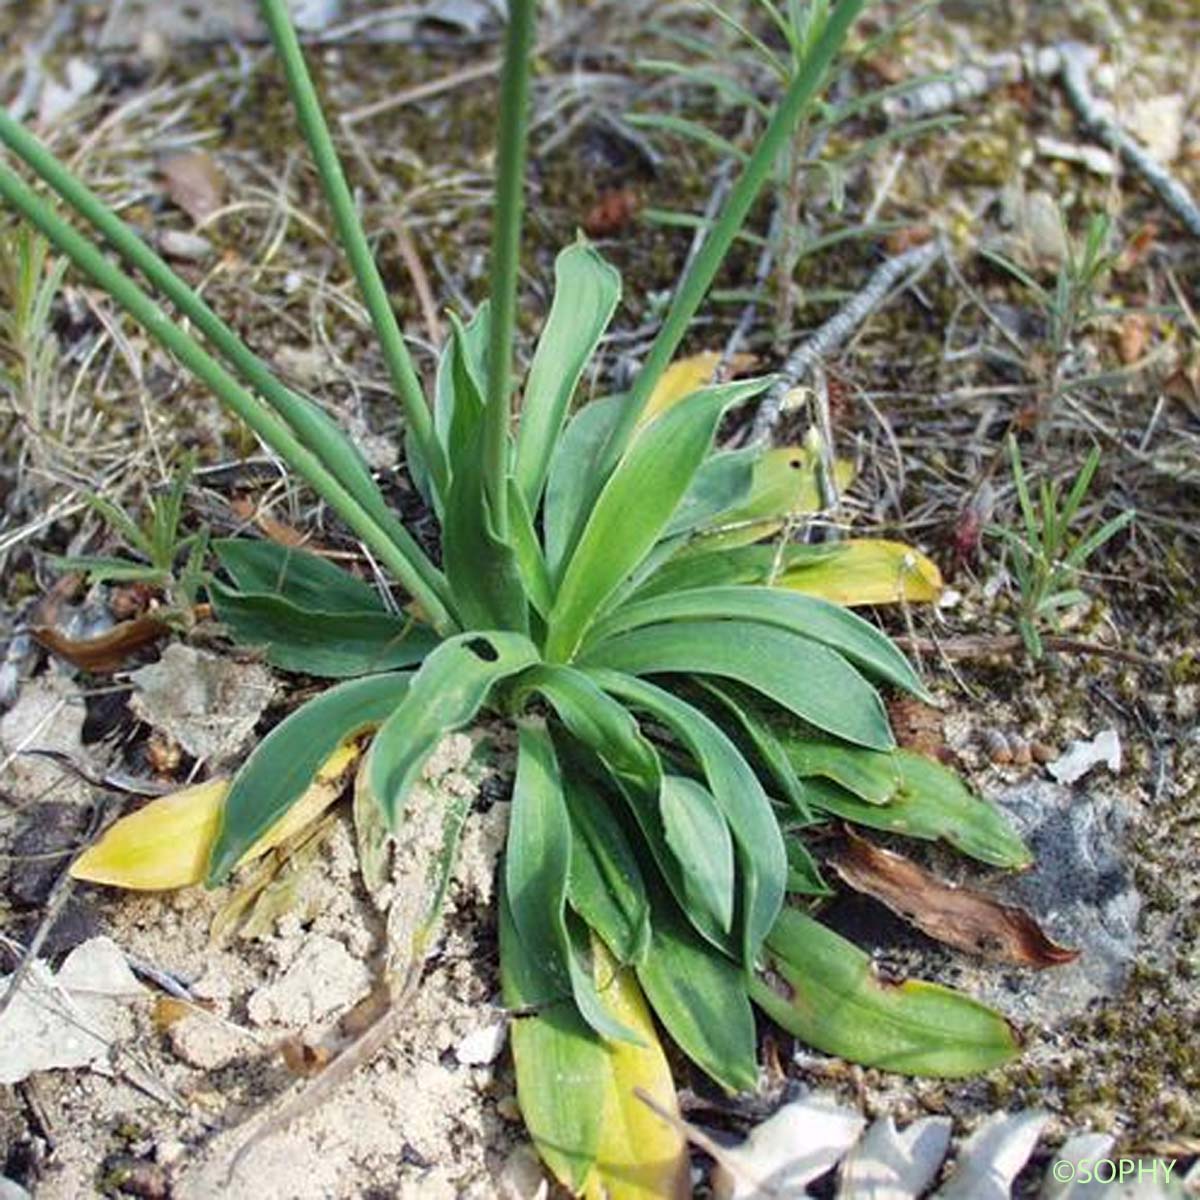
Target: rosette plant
[(685, 706)]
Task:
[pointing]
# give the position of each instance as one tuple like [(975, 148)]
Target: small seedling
[(1072, 305), (1048, 555), (157, 544)]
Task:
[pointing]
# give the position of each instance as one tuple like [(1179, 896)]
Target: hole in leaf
[(484, 649), (795, 463)]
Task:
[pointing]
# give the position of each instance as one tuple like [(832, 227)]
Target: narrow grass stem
[(273, 431), (294, 409), (506, 251), (354, 241), (691, 292)]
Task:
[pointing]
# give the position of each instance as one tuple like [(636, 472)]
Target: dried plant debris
[(209, 705), (70, 1018), (887, 1164), (195, 183), (1082, 756), (957, 916), (992, 1156), (797, 1145), (107, 651)]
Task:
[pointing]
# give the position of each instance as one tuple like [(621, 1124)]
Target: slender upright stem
[(506, 251), (294, 409), (209, 371), (694, 287), (354, 241)]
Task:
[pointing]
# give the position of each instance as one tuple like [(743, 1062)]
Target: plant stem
[(294, 409), (810, 74), (208, 370), (354, 241), (506, 251)]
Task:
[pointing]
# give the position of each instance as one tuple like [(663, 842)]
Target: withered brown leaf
[(195, 183), (109, 650), (958, 916)]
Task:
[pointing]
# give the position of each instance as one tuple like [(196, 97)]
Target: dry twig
[(907, 266)]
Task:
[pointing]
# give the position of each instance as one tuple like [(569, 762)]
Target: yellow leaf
[(686, 376), (868, 571), (784, 485), (639, 1156), (166, 843)]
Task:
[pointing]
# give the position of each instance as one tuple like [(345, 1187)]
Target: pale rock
[(208, 704), (482, 1046), (1158, 124), (322, 979), (205, 1042)]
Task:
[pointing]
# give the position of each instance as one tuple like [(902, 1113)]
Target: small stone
[(508, 1109), (322, 979), (996, 747), (1022, 756), (204, 1042), (482, 1046), (184, 247), (1043, 752), (169, 1151), (521, 1176)]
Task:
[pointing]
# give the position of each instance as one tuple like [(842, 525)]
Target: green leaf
[(101, 569), (603, 725), (333, 645), (635, 506), (284, 763), (761, 859), (482, 569), (473, 343), (700, 997), (809, 680), (531, 562), (552, 1045), (303, 579), (743, 564), (699, 838), (606, 887), (804, 876), (833, 626), (932, 804), (764, 741), (868, 774), (586, 292), (570, 481), (537, 866), (444, 695), (722, 481), (834, 1001)]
